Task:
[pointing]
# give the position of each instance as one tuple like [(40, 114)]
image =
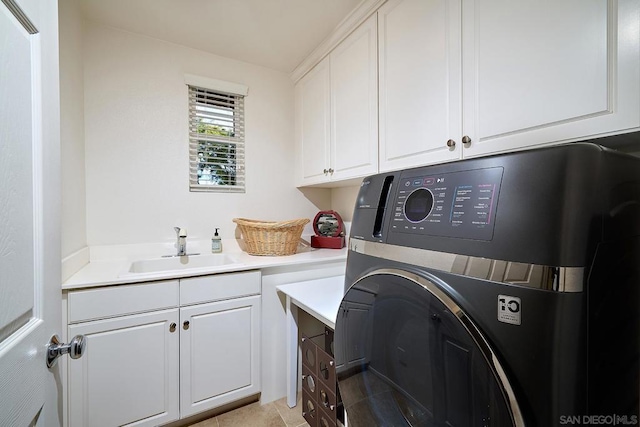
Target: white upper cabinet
[(337, 112), (532, 72), (312, 124), (538, 72), (464, 78), (420, 79), (354, 104)]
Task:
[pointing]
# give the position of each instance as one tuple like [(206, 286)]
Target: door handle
[(75, 349)]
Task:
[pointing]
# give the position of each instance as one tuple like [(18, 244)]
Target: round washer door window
[(404, 359)]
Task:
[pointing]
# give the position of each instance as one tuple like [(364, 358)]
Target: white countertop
[(320, 298), (114, 271)]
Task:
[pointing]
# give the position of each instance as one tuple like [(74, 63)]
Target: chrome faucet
[(181, 241)]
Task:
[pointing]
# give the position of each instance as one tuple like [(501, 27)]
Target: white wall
[(136, 142), (73, 211), (343, 200)]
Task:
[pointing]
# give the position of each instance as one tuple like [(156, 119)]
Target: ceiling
[(277, 34)]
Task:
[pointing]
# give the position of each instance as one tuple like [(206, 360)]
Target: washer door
[(407, 355)]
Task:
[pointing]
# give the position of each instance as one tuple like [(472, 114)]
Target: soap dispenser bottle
[(216, 243)]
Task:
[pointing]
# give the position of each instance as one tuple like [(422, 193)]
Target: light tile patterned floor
[(274, 414)]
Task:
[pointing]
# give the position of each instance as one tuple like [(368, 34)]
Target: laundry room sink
[(156, 265)]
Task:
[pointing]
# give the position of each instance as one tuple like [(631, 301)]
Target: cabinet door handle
[(330, 171), (326, 171), (172, 327), (185, 325), (466, 140), (451, 143)]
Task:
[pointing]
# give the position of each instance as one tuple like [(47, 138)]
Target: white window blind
[(216, 141)]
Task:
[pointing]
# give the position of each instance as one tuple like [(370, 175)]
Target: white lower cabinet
[(158, 352), (219, 353), (129, 374)]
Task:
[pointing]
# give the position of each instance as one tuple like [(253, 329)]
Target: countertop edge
[(319, 297), (110, 272)]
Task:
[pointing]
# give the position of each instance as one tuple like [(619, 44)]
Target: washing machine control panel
[(456, 204)]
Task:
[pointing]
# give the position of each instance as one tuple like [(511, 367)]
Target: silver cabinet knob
[(185, 325), (75, 349), (466, 140), (326, 171), (331, 171), (451, 143)]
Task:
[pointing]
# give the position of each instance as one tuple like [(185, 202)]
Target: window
[(216, 140)]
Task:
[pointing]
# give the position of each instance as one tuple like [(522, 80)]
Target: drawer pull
[(185, 325), (172, 327)]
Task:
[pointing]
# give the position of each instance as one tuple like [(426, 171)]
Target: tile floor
[(274, 414)]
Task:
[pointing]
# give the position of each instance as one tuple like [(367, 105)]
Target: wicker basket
[(271, 238)]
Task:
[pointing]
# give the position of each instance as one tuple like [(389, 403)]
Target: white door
[(30, 297)]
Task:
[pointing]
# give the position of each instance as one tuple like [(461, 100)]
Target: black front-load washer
[(499, 291)]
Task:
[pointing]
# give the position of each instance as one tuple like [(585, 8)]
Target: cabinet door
[(219, 353), (129, 373), (354, 104), (538, 72), (420, 74), (353, 353), (312, 125)]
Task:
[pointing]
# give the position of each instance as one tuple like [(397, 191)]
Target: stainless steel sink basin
[(155, 265)]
